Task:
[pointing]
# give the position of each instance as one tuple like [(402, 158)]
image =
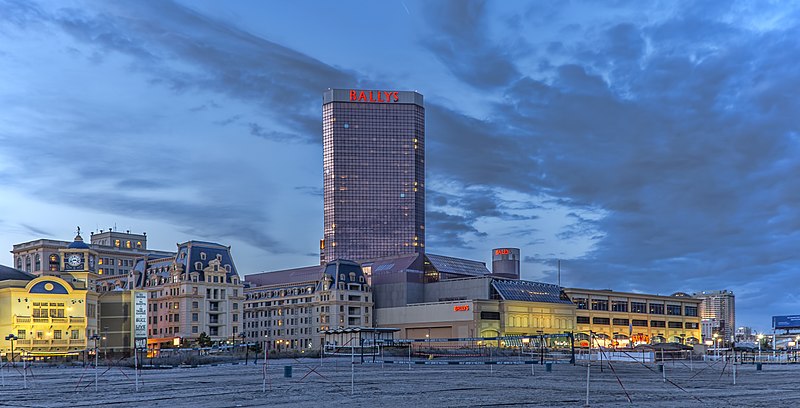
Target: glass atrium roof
[(530, 291)]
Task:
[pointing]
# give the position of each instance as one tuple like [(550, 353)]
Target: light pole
[(246, 348), (266, 356), (760, 337), (716, 345), (12, 338), (95, 337), (541, 346)]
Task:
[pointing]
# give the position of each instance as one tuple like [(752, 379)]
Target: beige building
[(196, 291), (718, 311), (491, 307), (625, 319), (116, 253), (288, 309)]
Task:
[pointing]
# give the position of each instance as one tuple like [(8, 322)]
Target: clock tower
[(79, 261)]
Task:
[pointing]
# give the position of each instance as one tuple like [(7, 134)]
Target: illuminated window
[(138, 244), (100, 271), (127, 244), (116, 243)]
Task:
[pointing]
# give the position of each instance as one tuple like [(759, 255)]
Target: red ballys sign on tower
[(374, 96)]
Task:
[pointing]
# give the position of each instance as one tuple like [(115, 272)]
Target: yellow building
[(625, 319), (51, 315)]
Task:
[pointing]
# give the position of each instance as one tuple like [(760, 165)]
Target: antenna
[(559, 273)]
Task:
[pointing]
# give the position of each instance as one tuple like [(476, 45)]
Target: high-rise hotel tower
[(374, 173)]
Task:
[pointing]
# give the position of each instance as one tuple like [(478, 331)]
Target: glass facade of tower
[(374, 174)]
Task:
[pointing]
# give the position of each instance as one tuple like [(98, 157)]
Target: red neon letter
[(353, 95), (362, 96), (396, 96)]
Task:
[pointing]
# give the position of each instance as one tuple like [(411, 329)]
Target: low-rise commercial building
[(626, 319)]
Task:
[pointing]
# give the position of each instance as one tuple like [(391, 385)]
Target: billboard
[(140, 319), (786, 322)]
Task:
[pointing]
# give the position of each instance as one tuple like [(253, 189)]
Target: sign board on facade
[(140, 319), (461, 308), (786, 322)]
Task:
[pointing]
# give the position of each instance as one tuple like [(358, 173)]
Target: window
[(116, 243), (674, 310), (656, 308), (690, 310), (620, 322), (639, 323), (599, 304), (582, 319), (57, 334), (38, 262), (202, 256), (619, 306), (235, 306), (195, 305), (601, 320), (657, 323), (638, 307), (675, 325), (127, 244), (194, 329), (21, 334), (581, 303), (690, 325), (74, 335), (195, 317), (490, 315)]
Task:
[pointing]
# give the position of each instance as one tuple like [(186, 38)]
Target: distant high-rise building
[(718, 310), (374, 174)]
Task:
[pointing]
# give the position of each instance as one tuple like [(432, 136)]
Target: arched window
[(19, 263), (28, 263), (38, 264), (198, 265)]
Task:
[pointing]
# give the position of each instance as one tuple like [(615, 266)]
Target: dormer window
[(219, 257), (198, 265), (202, 256)]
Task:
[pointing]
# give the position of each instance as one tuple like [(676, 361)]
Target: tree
[(204, 340)]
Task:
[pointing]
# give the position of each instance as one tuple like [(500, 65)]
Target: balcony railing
[(48, 320)]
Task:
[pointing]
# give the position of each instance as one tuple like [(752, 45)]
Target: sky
[(649, 146)]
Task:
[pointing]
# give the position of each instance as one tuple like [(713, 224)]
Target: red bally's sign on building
[(374, 96), (501, 252), (461, 308)]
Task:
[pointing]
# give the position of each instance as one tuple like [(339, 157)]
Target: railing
[(40, 342), (51, 320), (77, 341), (58, 342)]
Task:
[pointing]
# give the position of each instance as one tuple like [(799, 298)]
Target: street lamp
[(759, 337), (12, 338), (541, 346), (95, 337), (246, 348)]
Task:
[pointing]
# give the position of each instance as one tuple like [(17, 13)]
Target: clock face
[(74, 260)]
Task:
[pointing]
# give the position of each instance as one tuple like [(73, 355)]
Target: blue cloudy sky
[(651, 147)]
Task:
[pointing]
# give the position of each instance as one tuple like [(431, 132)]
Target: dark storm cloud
[(162, 40), (459, 41), (161, 36), (449, 230), (683, 132)]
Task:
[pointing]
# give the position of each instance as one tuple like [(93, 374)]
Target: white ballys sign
[(140, 315)]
